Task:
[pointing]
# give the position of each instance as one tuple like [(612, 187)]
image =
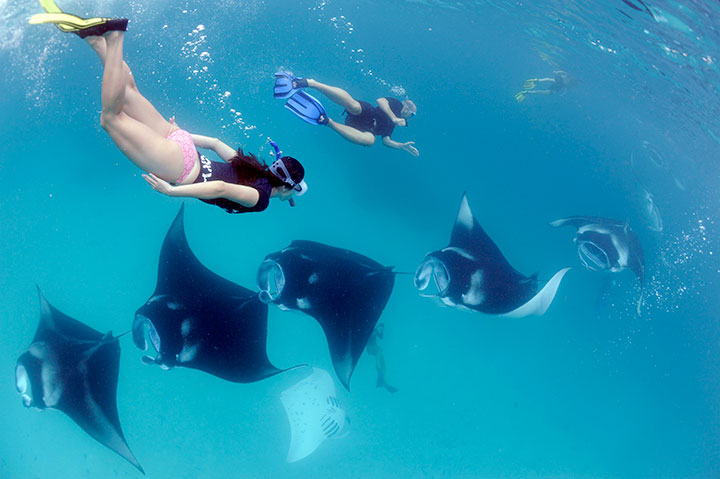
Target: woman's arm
[(384, 105), (209, 143), (407, 146), (241, 194)]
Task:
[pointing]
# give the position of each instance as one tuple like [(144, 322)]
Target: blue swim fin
[(308, 108), (286, 85)]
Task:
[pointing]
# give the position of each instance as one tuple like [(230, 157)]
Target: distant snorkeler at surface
[(159, 147), (557, 85), (373, 349), (363, 122)]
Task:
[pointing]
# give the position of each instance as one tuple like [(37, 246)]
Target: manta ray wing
[(580, 221), (468, 235), (542, 300), (353, 295)]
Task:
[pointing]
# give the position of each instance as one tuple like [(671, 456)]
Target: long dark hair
[(250, 169)]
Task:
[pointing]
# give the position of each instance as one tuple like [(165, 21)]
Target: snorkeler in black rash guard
[(168, 154), (558, 84), (363, 121)]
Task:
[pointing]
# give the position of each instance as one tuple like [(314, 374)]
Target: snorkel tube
[(278, 157), (278, 153)]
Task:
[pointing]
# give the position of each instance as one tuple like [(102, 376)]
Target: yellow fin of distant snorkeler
[(530, 83), (520, 96)]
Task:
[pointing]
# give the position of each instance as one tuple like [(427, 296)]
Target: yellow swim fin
[(530, 83), (51, 7), (71, 22), (83, 27), (520, 96)]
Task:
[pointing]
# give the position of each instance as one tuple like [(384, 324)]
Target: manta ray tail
[(542, 300), (640, 300)]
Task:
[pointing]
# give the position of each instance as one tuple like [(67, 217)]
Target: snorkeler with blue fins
[(169, 155), (363, 122)]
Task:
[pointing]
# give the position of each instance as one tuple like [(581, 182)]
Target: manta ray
[(73, 368), (472, 274), (314, 413), (197, 319), (344, 291), (604, 244)]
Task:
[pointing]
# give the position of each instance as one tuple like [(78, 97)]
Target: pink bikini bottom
[(183, 138)]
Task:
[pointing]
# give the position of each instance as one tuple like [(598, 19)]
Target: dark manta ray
[(607, 245), (74, 369), (196, 319), (471, 273), (344, 291)]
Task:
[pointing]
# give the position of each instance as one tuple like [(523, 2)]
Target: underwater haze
[(591, 389)]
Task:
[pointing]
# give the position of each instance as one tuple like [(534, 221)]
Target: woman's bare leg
[(351, 105), (148, 149), (364, 138), (539, 92), (337, 95), (135, 104)]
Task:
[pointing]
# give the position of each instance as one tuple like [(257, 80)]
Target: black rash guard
[(372, 119), (220, 171)]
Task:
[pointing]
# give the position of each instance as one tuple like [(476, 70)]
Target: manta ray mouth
[(21, 379), (656, 223), (143, 328), (435, 269), (270, 280), (593, 257), (22, 382)]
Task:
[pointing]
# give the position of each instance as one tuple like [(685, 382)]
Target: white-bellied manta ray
[(314, 413), (344, 291), (73, 368), (197, 319), (471, 273), (604, 244)]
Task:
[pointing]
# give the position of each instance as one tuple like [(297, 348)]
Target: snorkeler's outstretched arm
[(209, 143), (385, 107), (244, 195), (407, 146)]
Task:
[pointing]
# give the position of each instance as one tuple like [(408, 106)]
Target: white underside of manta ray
[(314, 413)]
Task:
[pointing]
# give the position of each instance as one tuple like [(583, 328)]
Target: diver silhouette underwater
[(196, 319)]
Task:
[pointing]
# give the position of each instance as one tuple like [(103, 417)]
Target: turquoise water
[(589, 390)]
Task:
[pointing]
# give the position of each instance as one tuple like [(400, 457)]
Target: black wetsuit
[(560, 84), (372, 119), (216, 170)]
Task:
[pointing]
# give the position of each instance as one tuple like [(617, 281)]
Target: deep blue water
[(589, 390)]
